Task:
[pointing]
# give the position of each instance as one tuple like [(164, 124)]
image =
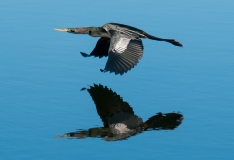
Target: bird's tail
[(172, 41), (164, 121)]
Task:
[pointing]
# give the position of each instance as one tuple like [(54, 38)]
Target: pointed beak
[(61, 29)]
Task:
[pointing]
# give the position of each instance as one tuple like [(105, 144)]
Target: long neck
[(83, 30), (98, 32)]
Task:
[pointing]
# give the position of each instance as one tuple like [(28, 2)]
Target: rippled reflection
[(119, 120)]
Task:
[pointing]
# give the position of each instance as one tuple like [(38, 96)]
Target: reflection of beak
[(61, 29), (59, 136)]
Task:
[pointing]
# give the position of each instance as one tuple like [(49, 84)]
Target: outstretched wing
[(121, 63), (125, 50), (108, 102), (101, 48)]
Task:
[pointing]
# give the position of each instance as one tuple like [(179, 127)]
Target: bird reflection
[(121, 43), (119, 120)]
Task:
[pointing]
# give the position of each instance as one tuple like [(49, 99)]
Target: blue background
[(42, 72)]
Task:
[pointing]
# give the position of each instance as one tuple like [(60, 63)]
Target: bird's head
[(92, 31), (84, 30)]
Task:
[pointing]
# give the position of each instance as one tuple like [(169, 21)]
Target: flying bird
[(119, 120), (121, 43)]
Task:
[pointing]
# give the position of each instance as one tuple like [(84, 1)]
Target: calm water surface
[(42, 72)]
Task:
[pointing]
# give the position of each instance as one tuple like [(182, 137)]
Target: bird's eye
[(70, 30)]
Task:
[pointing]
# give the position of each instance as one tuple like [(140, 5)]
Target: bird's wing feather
[(108, 102), (101, 48), (124, 53), (131, 31), (130, 120)]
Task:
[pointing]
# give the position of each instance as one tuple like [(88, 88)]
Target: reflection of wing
[(164, 121), (123, 122), (124, 53), (108, 102), (101, 48)]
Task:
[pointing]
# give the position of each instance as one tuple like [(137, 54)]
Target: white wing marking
[(121, 45)]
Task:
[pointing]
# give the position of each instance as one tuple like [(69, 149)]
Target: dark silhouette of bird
[(119, 120), (121, 43)]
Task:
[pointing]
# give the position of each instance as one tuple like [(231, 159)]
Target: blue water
[(42, 72)]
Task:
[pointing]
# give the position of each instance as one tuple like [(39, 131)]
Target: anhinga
[(121, 43)]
